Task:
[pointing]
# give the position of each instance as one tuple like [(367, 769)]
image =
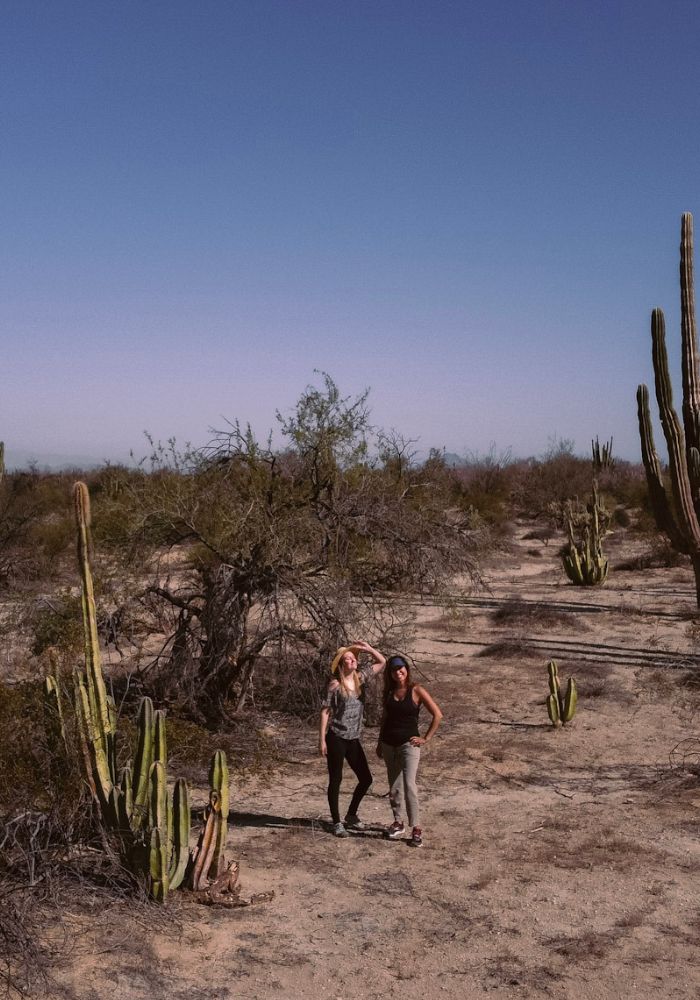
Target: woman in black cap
[(342, 714), (400, 742)]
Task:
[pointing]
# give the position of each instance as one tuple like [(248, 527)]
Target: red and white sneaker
[(395, 831), (416, 837)]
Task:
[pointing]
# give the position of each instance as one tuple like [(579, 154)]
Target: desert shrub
[(516, 612), (660, 555), (38, 773), (57, 623), (290, 554), (621, 517), (553, 479), (486, 485)]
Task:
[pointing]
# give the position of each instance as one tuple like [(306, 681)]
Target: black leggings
[(338, 751)]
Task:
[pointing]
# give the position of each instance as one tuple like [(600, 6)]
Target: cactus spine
[(677, 515), (561, 708), (152, 826)]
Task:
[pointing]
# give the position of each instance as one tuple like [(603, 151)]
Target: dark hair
[(395, 663)]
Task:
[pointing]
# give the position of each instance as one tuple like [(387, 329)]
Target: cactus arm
[(181, 833), (675, 442), (203, 856), (142, 762), (553, 710), (570, 701), (82, 709), (158, 798), (661, 508), (127, 791), (97, 692), (54, 708), (689, 340), (95, 746), (158, 868), (118, 817), (694, 473), (219, 782), (160, 745)]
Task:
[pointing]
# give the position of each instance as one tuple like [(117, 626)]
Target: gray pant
[(402, 770)]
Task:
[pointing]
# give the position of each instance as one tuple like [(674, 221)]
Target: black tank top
[(401, 720)]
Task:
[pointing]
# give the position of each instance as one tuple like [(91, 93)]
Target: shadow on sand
[(267, 820)]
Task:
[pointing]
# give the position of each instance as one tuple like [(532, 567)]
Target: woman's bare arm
[(379, 660), (434, 709)]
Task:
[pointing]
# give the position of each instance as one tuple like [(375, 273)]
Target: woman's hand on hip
[(417, 741)]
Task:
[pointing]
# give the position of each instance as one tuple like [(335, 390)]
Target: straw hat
[(340, 654)]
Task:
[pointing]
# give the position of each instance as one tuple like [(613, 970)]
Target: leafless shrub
[(291, 554), (659, 556), (685, 756), (510, 649), (528, 615)]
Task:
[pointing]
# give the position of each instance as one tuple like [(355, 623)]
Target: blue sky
[(470, 208)]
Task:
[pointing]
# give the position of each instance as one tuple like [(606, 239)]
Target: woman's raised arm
[(379, 660)]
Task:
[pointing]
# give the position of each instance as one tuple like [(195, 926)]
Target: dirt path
[(556, 863)]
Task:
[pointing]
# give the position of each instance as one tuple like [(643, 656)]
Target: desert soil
[(556, 863)]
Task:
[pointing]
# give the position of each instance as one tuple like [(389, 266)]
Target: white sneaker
[(339, 830)]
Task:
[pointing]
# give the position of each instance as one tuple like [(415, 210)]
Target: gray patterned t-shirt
[(347, 712)]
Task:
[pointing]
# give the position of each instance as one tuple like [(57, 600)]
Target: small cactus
[(582, 557), (561, 708)]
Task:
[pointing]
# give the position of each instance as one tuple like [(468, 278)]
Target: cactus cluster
[(561, 708), (582, 557), (151, 824), (601, 455), (676, 515)]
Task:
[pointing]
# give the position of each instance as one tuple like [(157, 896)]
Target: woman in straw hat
[(341, 727)]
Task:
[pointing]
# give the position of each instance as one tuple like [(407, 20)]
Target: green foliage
[(560, 708)]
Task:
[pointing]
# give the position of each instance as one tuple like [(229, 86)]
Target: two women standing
[(399, 739)]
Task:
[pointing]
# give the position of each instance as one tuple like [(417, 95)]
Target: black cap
[(396, 662)]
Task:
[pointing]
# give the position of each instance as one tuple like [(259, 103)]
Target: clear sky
[(470, 207)]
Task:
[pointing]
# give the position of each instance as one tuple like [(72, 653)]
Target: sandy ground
[(556, 863)]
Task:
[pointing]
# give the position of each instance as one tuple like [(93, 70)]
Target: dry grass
[(510, 649), (526, 614)]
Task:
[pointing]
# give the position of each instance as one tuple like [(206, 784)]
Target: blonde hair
[(346, 688)]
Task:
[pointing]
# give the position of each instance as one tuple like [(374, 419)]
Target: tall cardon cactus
[(676, 510), (151, 824)]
